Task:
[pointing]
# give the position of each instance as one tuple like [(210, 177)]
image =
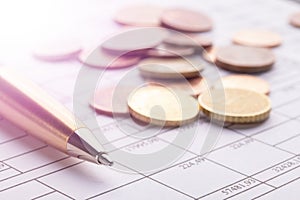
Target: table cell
[(192, 177), (5, 174), (252, 129), (86, 180), (291, 145), (36, 159), (9, 131), (27, 190), (289, 191), (279, 133), (249, 156), (233, 189), (19, 147), (279, 169), (145, 189)]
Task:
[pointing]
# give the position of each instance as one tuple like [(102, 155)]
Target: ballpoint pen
[(29, 107)]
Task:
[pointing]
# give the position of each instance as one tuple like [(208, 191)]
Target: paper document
[(261, 161)]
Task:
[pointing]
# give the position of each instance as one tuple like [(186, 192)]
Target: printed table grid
[(285, 88)]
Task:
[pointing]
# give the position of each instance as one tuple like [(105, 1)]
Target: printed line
[(41, 176), (290, 138), (16, 138), (257, 197), (44, 195), (22, 154), (53, 189)]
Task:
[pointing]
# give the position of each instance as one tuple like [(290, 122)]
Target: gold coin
[(168, 68), (235, 105), (257, 38), (162, 106), (241, 81)]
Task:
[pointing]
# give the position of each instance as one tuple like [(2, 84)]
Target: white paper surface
[(259, 161)]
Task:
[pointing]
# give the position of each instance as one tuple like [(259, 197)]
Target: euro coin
[(235, 105), (162, 106)]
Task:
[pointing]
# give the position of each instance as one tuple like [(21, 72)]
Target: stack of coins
[(172, 68), (167, 60), (250, 53), (244, 96), (168, 47), (171, 65)]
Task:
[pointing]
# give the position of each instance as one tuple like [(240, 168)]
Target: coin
[(170, 68), (242, 81), (189, 40), (295, 19), (107, 102), (257, 38), (57, 50), (139, 15), (162, 106), (134, 40), (210, 54), (100, 59), (245, 59), (193, 86), (235, 105), (165, 50), (186, 20)]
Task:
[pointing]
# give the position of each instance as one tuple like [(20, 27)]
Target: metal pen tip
[(104, 159)]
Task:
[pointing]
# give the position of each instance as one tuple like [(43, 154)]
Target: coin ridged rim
[(232, 65), (174, 75), (245, 69), (220, 58), (236, 118), (167, 123)]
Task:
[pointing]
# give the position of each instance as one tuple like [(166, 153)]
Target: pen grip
[(29, 107)]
